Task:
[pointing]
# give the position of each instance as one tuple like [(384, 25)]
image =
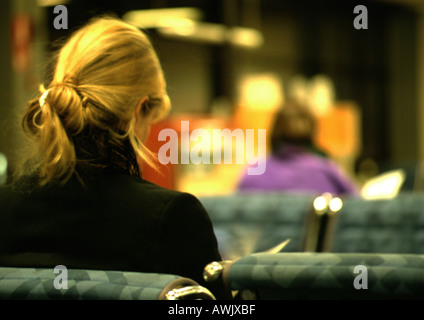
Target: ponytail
[(53, 121)]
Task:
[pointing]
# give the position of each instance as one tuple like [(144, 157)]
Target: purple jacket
[(299, 170)]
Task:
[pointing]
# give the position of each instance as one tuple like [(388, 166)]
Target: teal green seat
[(245, 223), (327, 276), (39, 284), (381, 226)]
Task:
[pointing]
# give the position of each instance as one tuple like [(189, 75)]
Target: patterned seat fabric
[(381, 226), (254, 222), (329, 276), (247, 223), (38, 284)]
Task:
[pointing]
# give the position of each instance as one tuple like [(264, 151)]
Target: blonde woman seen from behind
[(78, 197), (107, 80)]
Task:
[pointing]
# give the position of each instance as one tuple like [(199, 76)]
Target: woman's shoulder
[(113, 193), (140, 185), (103, 189), (142, 192)]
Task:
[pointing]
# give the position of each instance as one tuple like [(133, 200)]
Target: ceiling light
[(155, 18)]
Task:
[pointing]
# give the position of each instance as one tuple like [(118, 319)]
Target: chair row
[(259, 276), (248, 223)]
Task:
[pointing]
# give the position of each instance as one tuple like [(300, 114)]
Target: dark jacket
[(116, 222)]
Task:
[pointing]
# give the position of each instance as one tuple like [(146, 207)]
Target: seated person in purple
[(295, 164)]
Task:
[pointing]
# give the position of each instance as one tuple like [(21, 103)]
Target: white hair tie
[(43, 98)]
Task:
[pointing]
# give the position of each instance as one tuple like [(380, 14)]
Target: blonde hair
[(101, 74)]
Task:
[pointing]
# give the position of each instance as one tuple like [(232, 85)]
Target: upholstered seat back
[(39, 284), (381, 226), (253, 222), (328, 276)]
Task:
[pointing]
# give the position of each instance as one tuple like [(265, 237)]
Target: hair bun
[(66, 101)]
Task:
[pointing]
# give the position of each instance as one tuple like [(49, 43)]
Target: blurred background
[(232, 63)]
